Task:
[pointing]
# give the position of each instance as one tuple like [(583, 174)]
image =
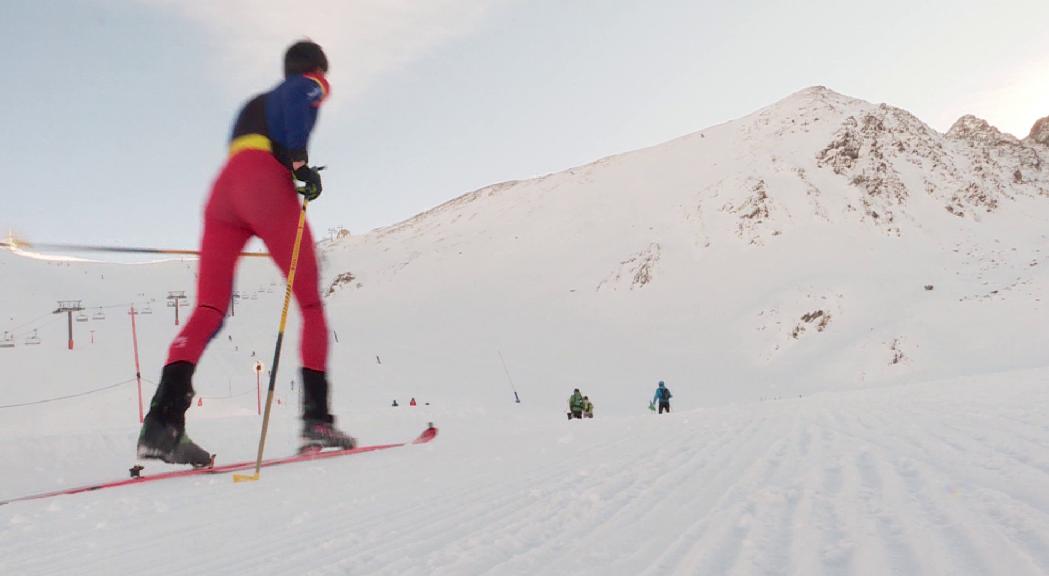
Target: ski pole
[(276, 351)]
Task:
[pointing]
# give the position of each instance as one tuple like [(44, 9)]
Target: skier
[(588, 407), (254, 195), (663, 397), (575, 405)]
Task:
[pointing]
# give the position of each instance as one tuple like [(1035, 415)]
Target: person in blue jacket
[(662, 397)]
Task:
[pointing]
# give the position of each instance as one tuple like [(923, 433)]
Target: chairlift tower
[(69, 306), (174, 298), (338, 232)]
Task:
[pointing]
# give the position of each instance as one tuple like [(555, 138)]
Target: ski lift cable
[(28, 322), (68, 396), (27, 328)]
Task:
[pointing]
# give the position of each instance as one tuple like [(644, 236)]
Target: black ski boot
[(163, 435), (318, 425)]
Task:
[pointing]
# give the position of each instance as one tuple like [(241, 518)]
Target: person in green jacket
[(575, 405)]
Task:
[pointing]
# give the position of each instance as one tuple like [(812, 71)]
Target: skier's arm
[(301, 101)]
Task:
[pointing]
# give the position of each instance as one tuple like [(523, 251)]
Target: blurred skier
[(255, 195), (575, 405), (662, 397), (588, 407)]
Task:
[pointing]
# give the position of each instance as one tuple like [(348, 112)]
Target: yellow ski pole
[(276, 352)]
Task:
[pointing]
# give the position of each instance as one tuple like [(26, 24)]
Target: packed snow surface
[(846, 304)]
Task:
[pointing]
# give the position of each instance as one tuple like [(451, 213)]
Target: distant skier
[(575, 405), (255, 195), (588, 407), (662, 397)]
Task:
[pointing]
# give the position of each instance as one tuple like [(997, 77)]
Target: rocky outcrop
[(978, 131), (867, 148), (1039, 133)]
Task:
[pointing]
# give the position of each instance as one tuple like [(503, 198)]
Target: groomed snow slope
[(942, 478)]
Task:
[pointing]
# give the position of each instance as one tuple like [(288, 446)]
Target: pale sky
[(117, 112)]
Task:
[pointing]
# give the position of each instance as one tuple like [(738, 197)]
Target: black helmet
[(304, 57)]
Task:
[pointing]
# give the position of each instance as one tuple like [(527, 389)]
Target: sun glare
[(1016, 106)]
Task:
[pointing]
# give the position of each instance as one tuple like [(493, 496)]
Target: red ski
[(427, 435)]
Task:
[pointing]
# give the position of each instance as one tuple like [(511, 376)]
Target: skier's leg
[(307, 293), (163, 435), (274, 217), (314, 345), (219, 251)]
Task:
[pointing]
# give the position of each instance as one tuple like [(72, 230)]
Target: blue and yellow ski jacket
[(280, 121)]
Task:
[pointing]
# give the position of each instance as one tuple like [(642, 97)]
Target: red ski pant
[(253, 196)]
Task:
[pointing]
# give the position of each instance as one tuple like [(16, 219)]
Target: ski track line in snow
[(681, 465), (937, 532), (503, 499), (710, 542), (1024, 478), (511, 514), (959, 532), (515, 512)]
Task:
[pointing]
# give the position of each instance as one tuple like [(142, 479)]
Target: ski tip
[(429, 434)]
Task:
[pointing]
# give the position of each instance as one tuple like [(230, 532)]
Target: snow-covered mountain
[(823, 242), (846, 304)]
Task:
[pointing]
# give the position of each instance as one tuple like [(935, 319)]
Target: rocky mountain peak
[(1040, 132), (979, 131)]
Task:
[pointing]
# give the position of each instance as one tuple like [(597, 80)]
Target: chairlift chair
[(81, 317), (32, 339)]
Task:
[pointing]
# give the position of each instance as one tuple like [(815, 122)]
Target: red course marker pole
[(138, 371)]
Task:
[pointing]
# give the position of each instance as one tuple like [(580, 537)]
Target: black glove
[(311, 179)]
